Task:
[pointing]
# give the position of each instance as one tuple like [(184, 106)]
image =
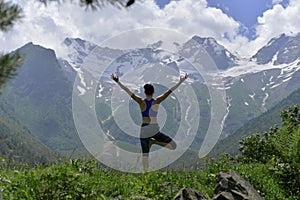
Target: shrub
[(279, 148)]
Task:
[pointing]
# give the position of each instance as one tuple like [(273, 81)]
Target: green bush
[(279, 148)]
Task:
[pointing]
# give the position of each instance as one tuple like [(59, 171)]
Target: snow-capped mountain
[(223, 58), (283, 49), (78, 50), (252, 85)]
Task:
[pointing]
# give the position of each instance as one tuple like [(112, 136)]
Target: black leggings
[(160, 137)]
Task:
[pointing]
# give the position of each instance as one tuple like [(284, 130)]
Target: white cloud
[(274, 22), (49, 26)]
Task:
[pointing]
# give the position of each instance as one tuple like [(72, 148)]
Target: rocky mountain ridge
[(252, 85)]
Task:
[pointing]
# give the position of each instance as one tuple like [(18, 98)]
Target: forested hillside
[(17, 145), (259, 124), (41, 100)]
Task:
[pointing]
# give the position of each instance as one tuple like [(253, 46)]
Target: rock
[(231, 186), (189, 194)]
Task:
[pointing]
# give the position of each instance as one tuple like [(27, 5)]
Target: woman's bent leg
[(164, 140)]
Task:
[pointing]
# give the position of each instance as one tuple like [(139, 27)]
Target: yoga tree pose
[(150, 132)]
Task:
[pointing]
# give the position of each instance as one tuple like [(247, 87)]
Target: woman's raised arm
[(162, 97), (135, 97)]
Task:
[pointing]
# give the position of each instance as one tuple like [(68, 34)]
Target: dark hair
[(149, 89)]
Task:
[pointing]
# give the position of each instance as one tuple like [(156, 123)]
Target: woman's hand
[(115, 78), (183, 77)]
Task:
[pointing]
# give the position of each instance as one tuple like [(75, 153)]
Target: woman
[(150, 131)]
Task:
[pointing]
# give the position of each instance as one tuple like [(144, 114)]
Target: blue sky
[(242, 26), (162, 3)]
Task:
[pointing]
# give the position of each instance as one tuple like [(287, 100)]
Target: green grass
[(84, 179), (269, 163), (79, 179)]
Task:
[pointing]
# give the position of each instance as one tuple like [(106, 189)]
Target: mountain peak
[(77, 50), (155, 45), (68, 41), (283, 49), (31, 44), (203, 40), (223, 58), (36, 48)]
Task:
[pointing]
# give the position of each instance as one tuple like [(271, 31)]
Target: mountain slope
[(40, 95), (258, 84), (221, 56), (279, 50), (252, 87), (259, 124), (18, 145)]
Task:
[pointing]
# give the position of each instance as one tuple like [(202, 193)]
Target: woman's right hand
[(183, 77), (115, 78)]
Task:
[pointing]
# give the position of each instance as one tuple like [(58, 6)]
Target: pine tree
[(95, 4), (9, 14)]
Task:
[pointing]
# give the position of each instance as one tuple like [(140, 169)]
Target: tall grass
[(84, 179)]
